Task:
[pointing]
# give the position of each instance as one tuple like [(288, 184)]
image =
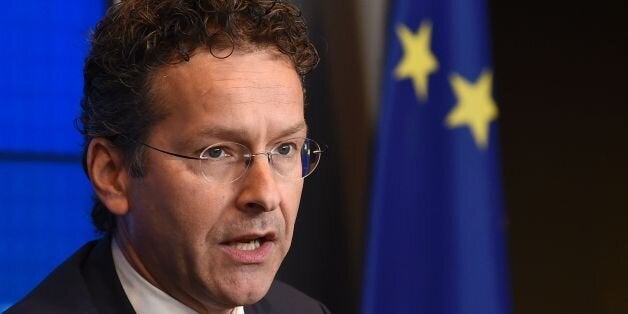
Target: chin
[(252, 297), (248, 289), (257, 288)]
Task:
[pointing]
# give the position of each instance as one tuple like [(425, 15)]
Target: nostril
[(253, 206)]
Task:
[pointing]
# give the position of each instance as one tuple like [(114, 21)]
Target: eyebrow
[(240, 135)]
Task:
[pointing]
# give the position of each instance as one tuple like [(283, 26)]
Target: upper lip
[(249, 236)]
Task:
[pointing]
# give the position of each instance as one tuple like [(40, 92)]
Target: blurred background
[(559, 76)]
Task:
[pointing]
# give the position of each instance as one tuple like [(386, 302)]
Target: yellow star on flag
[(475, 108), (418, 62)]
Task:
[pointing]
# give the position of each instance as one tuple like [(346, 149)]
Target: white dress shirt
[(144, 297)]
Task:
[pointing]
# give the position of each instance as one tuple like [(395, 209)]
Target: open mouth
[(250, 242), (248, 246), (250, 249)]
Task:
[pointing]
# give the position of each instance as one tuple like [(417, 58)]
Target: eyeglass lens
[(292, 159)]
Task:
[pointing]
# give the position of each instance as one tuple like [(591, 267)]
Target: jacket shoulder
[(62, 291), (85, 283)]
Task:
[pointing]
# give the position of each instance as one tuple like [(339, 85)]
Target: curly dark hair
[(136, 37)]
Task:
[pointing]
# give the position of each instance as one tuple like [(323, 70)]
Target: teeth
[(248, 246)]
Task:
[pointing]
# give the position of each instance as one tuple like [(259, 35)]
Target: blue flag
[(436, 234)]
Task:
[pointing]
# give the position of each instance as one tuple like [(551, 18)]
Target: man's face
[(185, 230)]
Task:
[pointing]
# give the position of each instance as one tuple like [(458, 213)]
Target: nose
[(259, 190)]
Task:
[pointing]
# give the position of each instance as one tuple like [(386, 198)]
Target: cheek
[(290, 208), (188, 207), (201, 209)]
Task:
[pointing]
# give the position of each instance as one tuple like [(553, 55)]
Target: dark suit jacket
[(87, 283)]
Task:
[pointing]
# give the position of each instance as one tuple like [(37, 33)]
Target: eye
[(216, 153), (286, 149)]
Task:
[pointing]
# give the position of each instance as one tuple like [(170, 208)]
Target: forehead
[(204, 73), (251, 91)]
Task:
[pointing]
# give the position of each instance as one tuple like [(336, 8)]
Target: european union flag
[(437, 238)]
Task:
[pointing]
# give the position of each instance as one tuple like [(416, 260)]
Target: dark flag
[(436, 233)]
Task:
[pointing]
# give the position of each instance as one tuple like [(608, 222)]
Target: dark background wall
[(561, 77)]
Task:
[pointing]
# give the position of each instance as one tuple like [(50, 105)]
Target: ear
[(109, 177)]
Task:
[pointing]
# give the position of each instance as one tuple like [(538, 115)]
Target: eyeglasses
[(227, 162)]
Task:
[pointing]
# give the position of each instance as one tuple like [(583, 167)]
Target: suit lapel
[(102, 280)]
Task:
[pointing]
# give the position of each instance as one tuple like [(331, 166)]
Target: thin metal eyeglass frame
[(249, 157)]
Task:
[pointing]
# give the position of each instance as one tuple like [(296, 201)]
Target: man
[(195, 145)]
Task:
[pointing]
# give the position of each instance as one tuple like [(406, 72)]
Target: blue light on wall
[(45, 197)]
